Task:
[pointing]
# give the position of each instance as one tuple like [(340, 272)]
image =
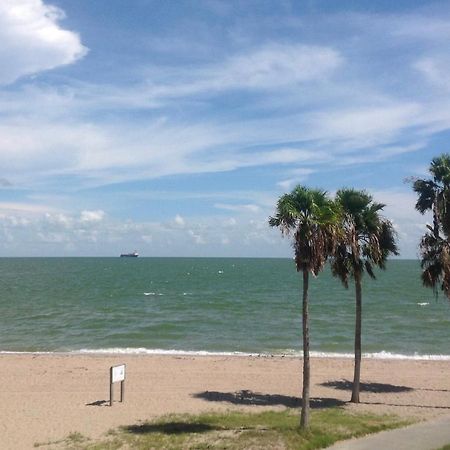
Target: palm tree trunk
[(304, 417), (358, 321), (435, 219)]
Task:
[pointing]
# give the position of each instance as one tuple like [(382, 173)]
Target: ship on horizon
[(135, 254)]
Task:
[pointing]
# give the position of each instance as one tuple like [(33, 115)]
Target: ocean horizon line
[(167, 257)]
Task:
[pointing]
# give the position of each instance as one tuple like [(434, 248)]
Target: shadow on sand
[(376, 388), (407, 405), (169, 428), (99, 403), (246, 397)]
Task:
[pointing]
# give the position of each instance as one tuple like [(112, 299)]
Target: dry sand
[(43, 398)]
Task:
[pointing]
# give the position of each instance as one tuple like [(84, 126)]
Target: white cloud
[(377, 123), (32, 40), (299, 175), (179, 221), (59, 219), (65, 233), (409, 224), (287, 184), (276, 65), (267, 67), (435, 69), (242, 208), (27, 209), (92, 216), (231, 222), (198, 239)]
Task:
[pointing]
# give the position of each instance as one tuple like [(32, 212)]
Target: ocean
[(212, 305)]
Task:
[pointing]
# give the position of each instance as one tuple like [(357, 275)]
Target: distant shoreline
[(383, 355)]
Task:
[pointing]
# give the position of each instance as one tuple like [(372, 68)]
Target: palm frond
[(426, 191), (310, 217), (366, 240), (434, 195)]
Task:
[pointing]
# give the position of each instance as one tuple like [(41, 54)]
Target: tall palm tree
[(309, 216), (434, 195), (367, 240)]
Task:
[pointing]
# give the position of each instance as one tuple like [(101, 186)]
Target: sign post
[(116, 374)]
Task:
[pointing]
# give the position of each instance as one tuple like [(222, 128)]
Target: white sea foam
[(157, 351), (383, 355), (286, 353), (423, 304), (289, 353)]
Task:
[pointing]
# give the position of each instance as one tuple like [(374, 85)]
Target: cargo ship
[(129, 255)]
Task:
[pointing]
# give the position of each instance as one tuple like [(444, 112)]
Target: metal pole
[(111, 391)]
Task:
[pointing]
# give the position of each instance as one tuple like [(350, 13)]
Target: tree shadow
[(376, 388), (169, 428), (433, 390), (246, 397), (407, 405)]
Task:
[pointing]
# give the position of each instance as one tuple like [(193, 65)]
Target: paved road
[(429, 435)]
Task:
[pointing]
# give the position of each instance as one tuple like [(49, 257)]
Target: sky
[(172, 127)]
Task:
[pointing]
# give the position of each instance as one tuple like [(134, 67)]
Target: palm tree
[(434, 195), (309, 216), (367, 240)]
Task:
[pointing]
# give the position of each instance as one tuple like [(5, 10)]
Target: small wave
[(153, 293), (289, 353), (157, 351), (423, 304), (220, 271), (383, 355), (11, 352)]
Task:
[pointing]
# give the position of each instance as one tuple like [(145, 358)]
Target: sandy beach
[(46, 397)]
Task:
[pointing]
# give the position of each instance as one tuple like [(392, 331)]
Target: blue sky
[(172, 127)]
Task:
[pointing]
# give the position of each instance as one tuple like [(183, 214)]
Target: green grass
[(237, 430), (73, 440)]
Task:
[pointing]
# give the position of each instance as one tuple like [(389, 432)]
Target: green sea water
[(211, 305)]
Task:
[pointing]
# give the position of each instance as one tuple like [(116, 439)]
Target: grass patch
[(238, 430), (73, 440)]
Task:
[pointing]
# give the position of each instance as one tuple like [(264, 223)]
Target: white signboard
[(118, 373)]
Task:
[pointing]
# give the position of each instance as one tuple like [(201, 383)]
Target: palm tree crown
[(368, 238), (310, 216), (434, 195)]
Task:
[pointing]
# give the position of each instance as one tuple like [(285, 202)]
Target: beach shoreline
[(47, 396), (383, 355)]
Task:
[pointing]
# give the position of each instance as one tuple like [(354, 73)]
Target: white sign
[(118, 373)]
